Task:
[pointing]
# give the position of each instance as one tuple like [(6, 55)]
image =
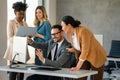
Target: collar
[(16, 21), (59, 43)]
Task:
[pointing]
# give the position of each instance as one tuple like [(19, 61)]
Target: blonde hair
[(42, 8)]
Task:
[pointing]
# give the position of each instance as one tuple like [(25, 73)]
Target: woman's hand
[(39, 35), (9, 63), (79, 65), (9, 66), (74, 69), (70, 49)]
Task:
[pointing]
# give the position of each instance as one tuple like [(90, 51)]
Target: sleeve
[(47, 35), (85, 44), (10, 32), (61, 60), (38, 45)]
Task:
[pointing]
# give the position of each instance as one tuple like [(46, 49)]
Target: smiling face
[(57, 35), (20, 15), (65, 28), (39, 14)]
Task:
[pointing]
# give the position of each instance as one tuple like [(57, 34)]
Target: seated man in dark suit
[(57, 55)]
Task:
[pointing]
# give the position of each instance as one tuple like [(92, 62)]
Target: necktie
[(49, 56), (55, 51)]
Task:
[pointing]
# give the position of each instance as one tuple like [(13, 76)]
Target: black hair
[(57, 26), (70, 20), (18, 6)]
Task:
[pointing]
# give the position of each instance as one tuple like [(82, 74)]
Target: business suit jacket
[(63, 57), (12, 28)]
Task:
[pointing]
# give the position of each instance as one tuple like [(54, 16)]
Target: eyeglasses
[(54, 34)]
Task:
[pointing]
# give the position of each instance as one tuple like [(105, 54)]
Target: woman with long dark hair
[(89, 53)]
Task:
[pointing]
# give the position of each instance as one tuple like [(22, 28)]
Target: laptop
[(49, 68), (24, 31)]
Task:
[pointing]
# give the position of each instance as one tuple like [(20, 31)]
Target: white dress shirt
[(53, 50)]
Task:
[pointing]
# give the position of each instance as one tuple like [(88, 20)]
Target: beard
[(55, 40)]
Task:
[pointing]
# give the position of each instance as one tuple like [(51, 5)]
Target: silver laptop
[(26, 31)]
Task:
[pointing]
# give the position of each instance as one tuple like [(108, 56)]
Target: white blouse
[(75, 42)]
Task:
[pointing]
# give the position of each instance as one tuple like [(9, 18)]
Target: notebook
[(26, 31)]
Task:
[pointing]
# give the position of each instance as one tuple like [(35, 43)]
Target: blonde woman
[(43, 29)]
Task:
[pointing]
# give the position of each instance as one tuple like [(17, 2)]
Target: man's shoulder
[(66, 43), (50, 41)]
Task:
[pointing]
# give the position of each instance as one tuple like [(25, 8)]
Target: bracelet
[(81, 59)]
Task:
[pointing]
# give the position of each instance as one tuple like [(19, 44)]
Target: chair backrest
[(115, 51), (115, 48)]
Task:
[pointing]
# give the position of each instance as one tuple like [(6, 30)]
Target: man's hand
[(29, 40), (40, 55)]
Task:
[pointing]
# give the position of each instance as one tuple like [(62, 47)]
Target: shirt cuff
[(31, 42), (44, 61)]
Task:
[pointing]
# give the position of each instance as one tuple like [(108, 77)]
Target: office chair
[(114, 53)]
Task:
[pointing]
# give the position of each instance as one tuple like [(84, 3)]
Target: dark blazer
[(63, 57)]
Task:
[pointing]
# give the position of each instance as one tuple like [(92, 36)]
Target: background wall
[(100, 16), (3, 44)]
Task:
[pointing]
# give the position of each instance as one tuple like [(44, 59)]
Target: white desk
[(60, 73)]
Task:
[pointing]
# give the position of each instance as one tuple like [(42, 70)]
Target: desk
[(113, 59), (116, 69), (64, 72)]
